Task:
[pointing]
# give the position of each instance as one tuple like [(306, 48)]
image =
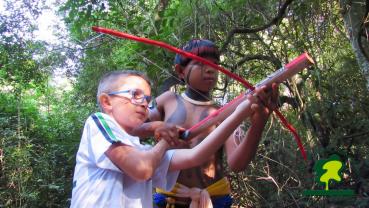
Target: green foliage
[(39, 143), (40, 126)]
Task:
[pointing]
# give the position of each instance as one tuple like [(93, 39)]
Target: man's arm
[(154, 121), (157, 127), (147, 129), (139, 165), (240, 155)]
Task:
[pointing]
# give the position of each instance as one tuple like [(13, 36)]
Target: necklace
[(196, 102)]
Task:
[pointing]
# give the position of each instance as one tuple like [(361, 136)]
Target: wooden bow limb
[(299, 63)]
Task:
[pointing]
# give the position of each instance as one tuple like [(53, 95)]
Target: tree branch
[(361, 32), (273, 60), (274, 21)]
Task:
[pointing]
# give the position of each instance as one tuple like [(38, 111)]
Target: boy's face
[(130, 101), (200, 76)]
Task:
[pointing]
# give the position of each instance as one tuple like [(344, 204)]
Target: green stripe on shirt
[(106, 127)]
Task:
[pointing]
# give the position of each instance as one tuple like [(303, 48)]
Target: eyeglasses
[(137, 96)]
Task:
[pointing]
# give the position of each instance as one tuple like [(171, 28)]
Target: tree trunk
[(354, 13)]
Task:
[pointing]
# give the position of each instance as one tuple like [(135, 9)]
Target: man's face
[(200, 76), (130, 101)]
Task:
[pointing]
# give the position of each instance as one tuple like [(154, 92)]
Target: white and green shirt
[(97, 182)]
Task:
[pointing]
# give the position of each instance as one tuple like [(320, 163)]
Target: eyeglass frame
[(133, 99)]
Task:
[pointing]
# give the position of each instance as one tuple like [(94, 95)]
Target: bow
[(207, 62)]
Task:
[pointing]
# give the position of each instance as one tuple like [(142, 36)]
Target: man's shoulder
[(168, 94), (166, 97)]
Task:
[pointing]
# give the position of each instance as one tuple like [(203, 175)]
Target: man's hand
[(264, 102), (170, 133)]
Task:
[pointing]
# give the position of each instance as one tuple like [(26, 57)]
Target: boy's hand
[(170, 133), (264, 102)]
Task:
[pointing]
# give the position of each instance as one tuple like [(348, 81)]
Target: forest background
[(41, 120)]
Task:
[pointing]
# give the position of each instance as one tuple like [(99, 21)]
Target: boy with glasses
[(112, 168)]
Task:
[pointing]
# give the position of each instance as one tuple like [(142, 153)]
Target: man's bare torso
[(180, 112)]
